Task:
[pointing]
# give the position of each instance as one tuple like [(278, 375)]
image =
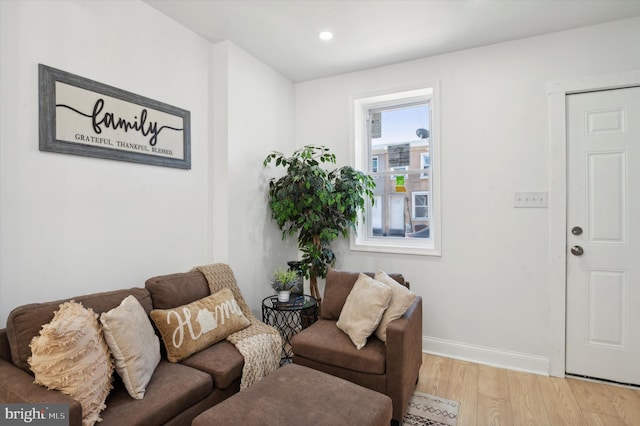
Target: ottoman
[(297, 395)]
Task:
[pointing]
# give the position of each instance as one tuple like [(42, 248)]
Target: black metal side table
[(289, 318)]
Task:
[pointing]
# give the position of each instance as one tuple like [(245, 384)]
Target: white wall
[(73, 225), (254, 110), (487, 297)]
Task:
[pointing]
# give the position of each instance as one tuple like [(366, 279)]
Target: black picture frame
[(80, 116)]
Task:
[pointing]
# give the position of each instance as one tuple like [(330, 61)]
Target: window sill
[(396, 246)]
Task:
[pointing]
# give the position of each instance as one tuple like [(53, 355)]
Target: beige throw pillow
[(401, 299), (70, 355), (133, 344), (363, 309), (190, 328)]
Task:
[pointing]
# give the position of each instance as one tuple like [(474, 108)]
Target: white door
[(396, 214), (603, 242)]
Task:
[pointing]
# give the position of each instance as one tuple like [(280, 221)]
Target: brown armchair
[(391, 369)]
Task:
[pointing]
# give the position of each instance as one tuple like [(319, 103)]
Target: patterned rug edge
[(430, 410)]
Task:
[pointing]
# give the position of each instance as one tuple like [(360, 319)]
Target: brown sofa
[(391, 369), (177, 392)]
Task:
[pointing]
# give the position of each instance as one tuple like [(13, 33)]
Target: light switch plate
[(530, 199)]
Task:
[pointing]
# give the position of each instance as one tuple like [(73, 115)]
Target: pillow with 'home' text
[(188, 329)]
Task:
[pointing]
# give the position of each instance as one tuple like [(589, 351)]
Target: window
[(399, 132), (374, 165), (425, 164), (420, 205)]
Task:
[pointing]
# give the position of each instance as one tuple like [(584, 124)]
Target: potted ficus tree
[(316, 205)]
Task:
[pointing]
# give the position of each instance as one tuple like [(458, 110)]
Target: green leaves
[(318, 205)]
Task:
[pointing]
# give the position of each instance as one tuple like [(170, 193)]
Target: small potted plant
[(282, 282)]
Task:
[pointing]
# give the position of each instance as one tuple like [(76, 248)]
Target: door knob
[(577, 251)]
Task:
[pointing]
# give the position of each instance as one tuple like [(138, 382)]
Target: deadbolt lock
[(576, 230)]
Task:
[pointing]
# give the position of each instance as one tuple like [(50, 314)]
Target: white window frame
[(361, 159), (399, 169)]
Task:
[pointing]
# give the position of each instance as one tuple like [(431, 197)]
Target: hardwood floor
[(492, 396)]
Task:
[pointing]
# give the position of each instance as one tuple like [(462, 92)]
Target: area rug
[(429, 410)]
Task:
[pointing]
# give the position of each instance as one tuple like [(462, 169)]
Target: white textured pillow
[(363, 309), (70, 355), (133, 344), (401, 299)]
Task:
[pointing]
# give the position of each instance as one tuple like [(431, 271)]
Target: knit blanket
[(259, 343)]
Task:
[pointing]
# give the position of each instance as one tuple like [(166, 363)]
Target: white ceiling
[(283, 33)]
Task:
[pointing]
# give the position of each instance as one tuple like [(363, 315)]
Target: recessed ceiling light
[(325, 35)]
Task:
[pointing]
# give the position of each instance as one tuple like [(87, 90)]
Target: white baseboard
[(483, 355)]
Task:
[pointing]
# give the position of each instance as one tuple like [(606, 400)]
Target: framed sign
[(83, 117), (399, 155)]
